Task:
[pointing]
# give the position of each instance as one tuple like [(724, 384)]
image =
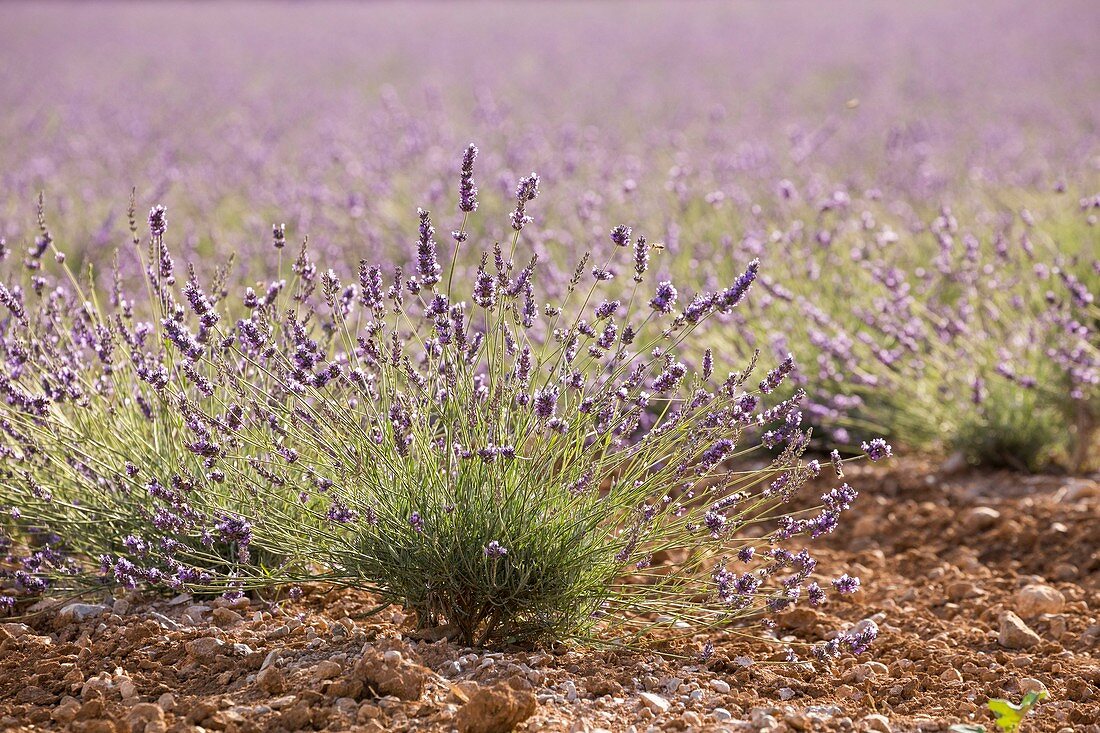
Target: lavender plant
[(509, 468), (108, 457)]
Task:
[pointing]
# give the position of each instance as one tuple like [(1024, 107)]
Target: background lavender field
[(338, 118)]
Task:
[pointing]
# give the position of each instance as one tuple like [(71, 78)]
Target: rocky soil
[(982, 585)]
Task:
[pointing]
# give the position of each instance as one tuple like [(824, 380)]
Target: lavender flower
[(495, 549), (467, 191), (158, 220), (526, 191), (427, 262), (775, 377), (620, 235), (846, 584), (665, 298), (877, 450)]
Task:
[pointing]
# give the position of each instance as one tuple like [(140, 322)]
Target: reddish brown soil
[(937, 575)]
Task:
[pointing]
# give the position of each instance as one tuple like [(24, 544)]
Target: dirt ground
[(982, 585)]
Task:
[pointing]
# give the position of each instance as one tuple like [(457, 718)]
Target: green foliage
[(1009, 715)]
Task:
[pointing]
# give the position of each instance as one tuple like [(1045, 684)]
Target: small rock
[(225, 617), (720, 686), (164, 621), (879, 723), (1035, 600), (570, 690), (205, 648), (721, 715), (145, 713), (655, 702), (962, 590), (691, 718), (1066, 571), (166, 701), (81, 611), (980, 518), (1015, 634), (404, 681), (66, 711), (99, 686), (1030, 684), (672, 684), (271, 680), (495, 709), (786, 693), (951, 676), (326, 670), (126, 688)]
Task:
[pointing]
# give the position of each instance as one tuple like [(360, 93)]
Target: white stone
[(655, 702)]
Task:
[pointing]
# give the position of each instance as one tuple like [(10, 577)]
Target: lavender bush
[(509, 467)]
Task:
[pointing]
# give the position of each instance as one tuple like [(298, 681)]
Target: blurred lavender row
[(339, 118)]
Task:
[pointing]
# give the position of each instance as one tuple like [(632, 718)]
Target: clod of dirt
[(495, 709), (1015, 634), (389, 674), (1034, 600)]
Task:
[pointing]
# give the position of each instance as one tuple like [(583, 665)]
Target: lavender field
[(560, 366)]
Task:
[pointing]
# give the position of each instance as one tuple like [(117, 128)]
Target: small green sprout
[(1009, 715)]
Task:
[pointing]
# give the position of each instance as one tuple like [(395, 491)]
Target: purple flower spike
[(467, 191), (846, 584), (495, 549), (877, 450)]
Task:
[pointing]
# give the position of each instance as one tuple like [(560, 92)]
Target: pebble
[(1035, 600), (878, 723), (326, 670), (721, 715), (672, 684), (720, 686), (165, 622), (204, 648), (691, 718), (1015, 634), (655, 702), (570, 690), (82, 611), (786, 693), (225, 617), (980, 518), (962, 590), (1030, 684)]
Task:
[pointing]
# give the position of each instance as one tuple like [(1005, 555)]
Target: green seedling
[(1009, 715)]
